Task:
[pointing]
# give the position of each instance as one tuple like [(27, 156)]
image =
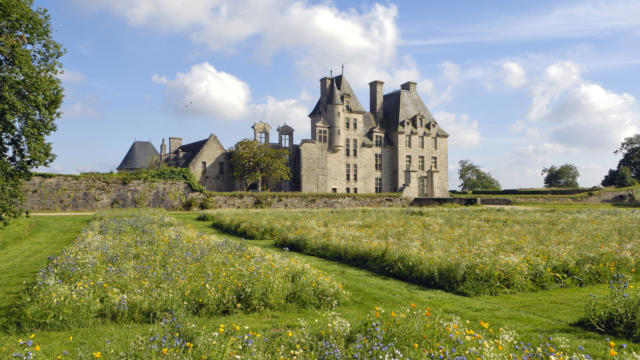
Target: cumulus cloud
[(78, 109), (513, 74), (464, 131), (451, 71), (206, 91), (317, 36), (556, 80)]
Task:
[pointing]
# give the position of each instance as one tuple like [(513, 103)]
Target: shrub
[(207, 203)]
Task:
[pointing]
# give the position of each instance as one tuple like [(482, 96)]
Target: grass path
[(25, 246)]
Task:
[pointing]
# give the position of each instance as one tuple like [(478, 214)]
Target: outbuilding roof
[(139, 156)]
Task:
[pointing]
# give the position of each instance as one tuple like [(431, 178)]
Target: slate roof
[(139, 156), (401, 105), (343, 86), (189, 151)]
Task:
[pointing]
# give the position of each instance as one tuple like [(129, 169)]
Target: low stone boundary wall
[(420, 202)]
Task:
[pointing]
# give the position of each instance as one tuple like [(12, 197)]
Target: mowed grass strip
[(25, 246), (465, 251)]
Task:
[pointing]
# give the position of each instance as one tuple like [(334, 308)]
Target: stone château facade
[(396, 146)]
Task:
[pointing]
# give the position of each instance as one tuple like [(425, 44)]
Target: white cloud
[(463, 131), (317, 36), (72, 76), (557, 79), (451, 71), (206, 91), (513, 74)]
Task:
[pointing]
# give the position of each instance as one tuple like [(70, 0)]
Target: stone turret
[(334, 105)]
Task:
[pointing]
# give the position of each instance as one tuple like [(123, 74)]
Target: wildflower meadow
[(465, 251)]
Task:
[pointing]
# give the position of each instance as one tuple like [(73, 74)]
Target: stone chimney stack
[(375, 100), (163, 148), (324, 88), (174, 143), (409, 86)]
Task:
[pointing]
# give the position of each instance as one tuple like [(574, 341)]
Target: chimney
[(163, 148), (409, 86), (375, 100), (174, 143), (324, 87)]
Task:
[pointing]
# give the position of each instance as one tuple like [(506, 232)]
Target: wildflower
[(611, 344), (32, 336), (484, 324), (164, 351), (97, 354), (613, 352)]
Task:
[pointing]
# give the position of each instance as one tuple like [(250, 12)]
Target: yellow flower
[(32, 336), (97, 354), (613, 352), (611, 344), (484, 324), (415, 346), (289, 333), (164, 351), (36, 348), (70, 338)]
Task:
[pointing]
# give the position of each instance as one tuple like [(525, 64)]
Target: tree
[(473, 178), (253, 162), (564, 176), (630, 162), (30, 97)]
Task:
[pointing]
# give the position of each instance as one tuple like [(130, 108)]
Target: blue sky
[(518, 85)]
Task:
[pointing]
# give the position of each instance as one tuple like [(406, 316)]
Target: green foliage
[(157, 174), (253, 162), (207, 203), (564, 176), (30, 97), (135, 266), (473, 178), (470, 252), (617, 313), (630, 150)]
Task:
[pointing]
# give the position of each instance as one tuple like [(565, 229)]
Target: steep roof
[(402, 105), (343, 87), (189, 151), (334, 98), (139, 156)]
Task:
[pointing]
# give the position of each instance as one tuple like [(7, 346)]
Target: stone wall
[(67, 193)]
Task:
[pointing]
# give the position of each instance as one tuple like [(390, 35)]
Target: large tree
[(473, 178), (563, 176), (257, 163), (628, 166), (30, 97)]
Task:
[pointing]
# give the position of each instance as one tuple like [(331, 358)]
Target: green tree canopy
[(473, 178), (629, 165), (253, 162), (564, 176), (30, 97)]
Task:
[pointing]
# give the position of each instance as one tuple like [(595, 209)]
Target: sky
[(519, 86)]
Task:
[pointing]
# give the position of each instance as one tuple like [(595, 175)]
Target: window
[(378, 161), (220, 168), (204, 168), (262, 137), (334, 190), (348, 172), (347, 147), (407, 141), (355, 172), (355, 190), (378, 140), (420, 162), (435, 143), (421, 122), (407, 162), (355, 124), (378, 185), (286, 140), (434, 163), (346, 123), (348, 190), (322, 135), (346, 105), (421, 142), (355, 147)]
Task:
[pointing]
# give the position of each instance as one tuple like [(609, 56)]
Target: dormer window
[(346, 105), (286, 140), (378, 140), (262, 137)]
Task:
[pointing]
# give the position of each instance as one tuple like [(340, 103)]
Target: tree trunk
[(260, 185)]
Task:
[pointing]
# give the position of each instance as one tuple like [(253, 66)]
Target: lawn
[(549, 313)]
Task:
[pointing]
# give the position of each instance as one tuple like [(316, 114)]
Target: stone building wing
[(139, 156), (402, 105), (185, 153)]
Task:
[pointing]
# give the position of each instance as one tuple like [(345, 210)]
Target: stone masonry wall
[(66, 193)]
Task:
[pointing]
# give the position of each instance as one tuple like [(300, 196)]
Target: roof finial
[(342, 69), (331, 73)]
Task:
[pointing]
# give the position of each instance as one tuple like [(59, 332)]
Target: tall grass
[(466, 251), (137, 266)]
